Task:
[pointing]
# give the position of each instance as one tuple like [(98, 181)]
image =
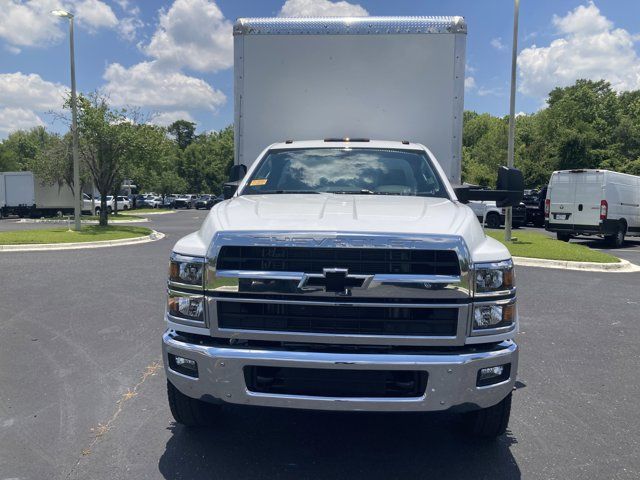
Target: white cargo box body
[(17, 189), (53, 196), (383, 78)]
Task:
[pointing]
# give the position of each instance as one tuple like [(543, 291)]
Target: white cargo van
[(593, 202)]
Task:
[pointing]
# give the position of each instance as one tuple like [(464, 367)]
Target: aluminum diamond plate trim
[(348, 25)]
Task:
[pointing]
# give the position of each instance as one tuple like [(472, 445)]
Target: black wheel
[(493, 220), (563, 236), (617, 240), (189, 411), (489, 422), (97, 211), (109, 210), (125, 207)]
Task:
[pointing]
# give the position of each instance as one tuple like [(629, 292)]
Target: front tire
[(491, 422), (188, 411), (493, 220)]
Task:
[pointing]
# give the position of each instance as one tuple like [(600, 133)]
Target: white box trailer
[(593, 202), (382, 78), (22, 194)]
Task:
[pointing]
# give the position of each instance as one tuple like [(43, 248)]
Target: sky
[(173, 59)]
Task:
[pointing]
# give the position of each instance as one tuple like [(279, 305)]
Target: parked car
[(593, 202), (169, 201), (185, 201), (494, 217), (123, 202), (205, 201), (534, 202), (154, 202)]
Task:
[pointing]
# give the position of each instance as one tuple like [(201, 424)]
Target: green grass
[(119, 216), (89, 233), (145, 210), (538, 245)]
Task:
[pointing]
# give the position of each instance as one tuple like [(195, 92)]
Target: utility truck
[(23, 194), (593, 202), (344, 271)]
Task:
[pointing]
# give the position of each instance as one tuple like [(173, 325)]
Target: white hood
[(345, 213)]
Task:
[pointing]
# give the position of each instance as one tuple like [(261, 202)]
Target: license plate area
[(561, 216), (344, 383)]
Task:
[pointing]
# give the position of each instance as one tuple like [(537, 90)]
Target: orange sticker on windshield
[(258, 182)]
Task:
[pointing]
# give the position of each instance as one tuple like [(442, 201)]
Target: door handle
[(580, 207)]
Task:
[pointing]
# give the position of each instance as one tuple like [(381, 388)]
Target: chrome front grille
[(347, 289)]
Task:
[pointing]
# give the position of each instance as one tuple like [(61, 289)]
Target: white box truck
[(343, 271), (22, 194), (593, 202)]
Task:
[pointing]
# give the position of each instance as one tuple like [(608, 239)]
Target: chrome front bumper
[(451, 382)]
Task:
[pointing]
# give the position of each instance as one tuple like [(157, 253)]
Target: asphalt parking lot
[(82, 392)]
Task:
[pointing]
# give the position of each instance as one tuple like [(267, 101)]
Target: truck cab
[(344, 270)]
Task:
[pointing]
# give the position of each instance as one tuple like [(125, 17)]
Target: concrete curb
[(44, 247), (623, 266), (83, 222)]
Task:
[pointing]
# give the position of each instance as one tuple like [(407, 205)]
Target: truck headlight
[(190, 307), (186, 270), (494, 277), (493, 316)]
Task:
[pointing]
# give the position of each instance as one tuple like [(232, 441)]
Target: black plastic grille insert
[(332, 319), (364, 261)]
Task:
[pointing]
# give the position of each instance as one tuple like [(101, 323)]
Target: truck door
[(588, 194), (562, 193)]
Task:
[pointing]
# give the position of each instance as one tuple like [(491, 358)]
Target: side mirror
[(237, 173), (229, 189), (510, 180), (463, 193), (508, 194)]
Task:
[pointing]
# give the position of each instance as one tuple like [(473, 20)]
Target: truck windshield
[(360, 171)]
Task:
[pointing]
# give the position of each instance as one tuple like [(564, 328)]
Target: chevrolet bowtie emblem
[(336, 280)]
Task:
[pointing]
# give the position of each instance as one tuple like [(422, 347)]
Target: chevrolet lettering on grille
[(336, 280)]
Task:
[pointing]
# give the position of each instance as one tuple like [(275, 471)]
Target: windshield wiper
[(267, 192), (363, 191)]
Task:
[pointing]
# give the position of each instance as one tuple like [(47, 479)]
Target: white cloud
[(30, 23), (485, 91), (128, 28), (147, 85), (497, 43), (193, 34), (94, 14), (23, 97), (30, 91), (164, 119), (590, 47), (321, 8), (11, 49), (12, 119), (469, 84)]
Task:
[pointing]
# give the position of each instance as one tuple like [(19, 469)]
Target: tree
[(183, 132), (21, 147), (106, 138)]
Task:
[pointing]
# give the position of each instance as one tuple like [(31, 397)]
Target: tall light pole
[(77, 190), (512, 113)]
